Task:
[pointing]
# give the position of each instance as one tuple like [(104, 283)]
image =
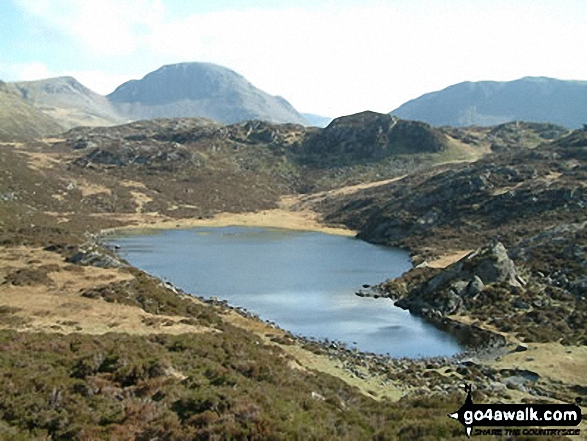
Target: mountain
[(68, 101), (200, 90), (19, 119), (485, 103), (317, 120)]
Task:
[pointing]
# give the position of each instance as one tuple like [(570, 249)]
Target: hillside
[(487, 103), (199, 90), (195, 167), (527, 204), (67, 101), (489, 198), (93, 348), (19, 120)]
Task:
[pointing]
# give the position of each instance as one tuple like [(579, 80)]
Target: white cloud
[(106, 27), (29, 71), (345, 59), (99, 81)]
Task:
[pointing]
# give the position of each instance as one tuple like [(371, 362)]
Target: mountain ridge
[(200, 90), (485, 103), (68, 101)]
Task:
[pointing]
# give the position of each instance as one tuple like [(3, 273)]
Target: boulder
[(95, 258), (468, 277), (474, 287), (492, 264)]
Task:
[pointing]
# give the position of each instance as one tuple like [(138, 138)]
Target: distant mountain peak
[(199, 89), (486, 103), (67, 101)]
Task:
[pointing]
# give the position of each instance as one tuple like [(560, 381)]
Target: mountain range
[(205, 90), (486, 103), (50, 106)]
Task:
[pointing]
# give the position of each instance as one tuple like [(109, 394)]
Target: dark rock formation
[(444, 292), (95, 258), (370, 136)]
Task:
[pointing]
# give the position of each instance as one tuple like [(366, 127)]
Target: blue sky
[(325, 57)]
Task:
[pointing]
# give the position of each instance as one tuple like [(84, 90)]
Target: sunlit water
[(303, 281)]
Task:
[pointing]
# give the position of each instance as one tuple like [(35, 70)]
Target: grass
[(194, 385)]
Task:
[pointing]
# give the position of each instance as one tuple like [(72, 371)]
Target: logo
[(518, 415)]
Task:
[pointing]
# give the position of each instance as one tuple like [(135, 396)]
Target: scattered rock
[(522, 347)]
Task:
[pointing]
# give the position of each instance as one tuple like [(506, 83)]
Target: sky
[(329, 58)]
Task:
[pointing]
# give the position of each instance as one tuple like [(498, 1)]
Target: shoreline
[(276, 218)]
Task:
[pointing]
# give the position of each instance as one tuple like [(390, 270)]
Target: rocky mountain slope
[(529, 205), (199, 90), (68, 101), (21, 120), (282, 159), (196, 167), (486, 103)]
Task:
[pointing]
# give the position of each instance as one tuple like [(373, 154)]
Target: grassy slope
[(19, 120)]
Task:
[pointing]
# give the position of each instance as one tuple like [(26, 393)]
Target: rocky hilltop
[(487, 103), (369, 137), (199, 90)]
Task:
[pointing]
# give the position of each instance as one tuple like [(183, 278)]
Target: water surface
[(303, 281)]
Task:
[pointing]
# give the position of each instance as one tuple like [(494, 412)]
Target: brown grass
[(448, 259), (278, 218), (58, 306)]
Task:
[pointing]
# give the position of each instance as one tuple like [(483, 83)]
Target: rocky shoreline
[(423, 375)]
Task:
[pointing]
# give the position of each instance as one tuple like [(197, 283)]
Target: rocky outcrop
[(444, 293), (95, 258), (370, 136), (467, 205)]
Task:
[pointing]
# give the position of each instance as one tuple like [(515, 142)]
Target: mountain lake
[(305, 282)]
